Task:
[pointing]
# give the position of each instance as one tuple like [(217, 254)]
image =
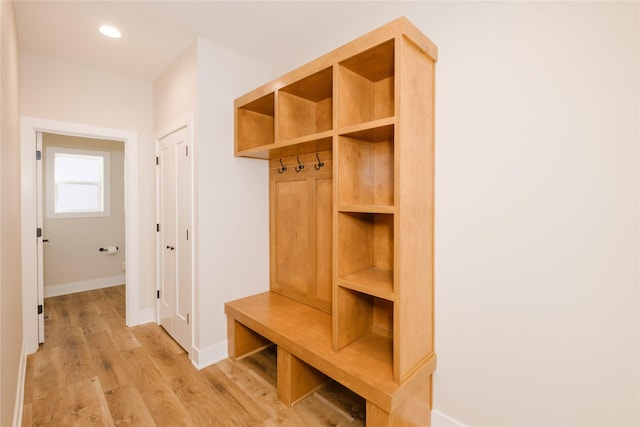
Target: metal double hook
[(283, 168), (300, 166), (320, 164)]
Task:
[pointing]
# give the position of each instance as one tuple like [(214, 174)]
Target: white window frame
[(51, 182)]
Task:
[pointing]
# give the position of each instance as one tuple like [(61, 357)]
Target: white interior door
[(39, 238), (174, 193)]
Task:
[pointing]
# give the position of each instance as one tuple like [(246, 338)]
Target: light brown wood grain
[(127, 407), (88, 405), (296, 379), (154, 366)]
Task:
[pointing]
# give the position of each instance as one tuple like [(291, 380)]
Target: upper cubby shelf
[(306, 106), (366, 169), (255, 123), (366, 85)]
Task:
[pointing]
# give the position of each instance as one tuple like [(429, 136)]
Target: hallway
[(93, 370)]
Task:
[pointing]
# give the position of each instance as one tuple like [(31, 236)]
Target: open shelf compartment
[(365, 321), (366, 168), (366, 85), (306, 106), (365, 246), (255, 123)]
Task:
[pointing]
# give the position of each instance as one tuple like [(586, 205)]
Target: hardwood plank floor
[(93, 370)]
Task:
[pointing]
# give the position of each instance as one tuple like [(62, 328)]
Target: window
[(77, 183)]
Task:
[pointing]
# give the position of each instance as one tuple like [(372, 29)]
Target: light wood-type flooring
[(93, 370)]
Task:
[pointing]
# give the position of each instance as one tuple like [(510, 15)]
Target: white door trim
[(182, 122), (28, 128)]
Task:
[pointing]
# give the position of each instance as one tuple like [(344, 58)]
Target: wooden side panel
[(377, 417), (242, 341), (383, 166), (383, 241), (301, 218), (296, 379), (324, 115), (296, 116), (254, 129), (413, 317), (293, 240), (353, 318), (383, 317), (383, 98), (355, 99), (324, 230), (355, 240)]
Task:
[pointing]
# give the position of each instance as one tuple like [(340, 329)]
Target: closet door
[(174, 193)]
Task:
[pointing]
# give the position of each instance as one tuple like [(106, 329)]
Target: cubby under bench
[(306, 359)]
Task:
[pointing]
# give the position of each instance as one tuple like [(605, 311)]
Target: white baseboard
[(438, 419), (209, 355), (22, 371), (85, 285), (146, 315)]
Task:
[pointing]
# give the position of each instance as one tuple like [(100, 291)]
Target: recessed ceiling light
[(110, 31)]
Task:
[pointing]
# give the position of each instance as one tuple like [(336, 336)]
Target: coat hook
[(283, 168), (320, 164), (300, 165)]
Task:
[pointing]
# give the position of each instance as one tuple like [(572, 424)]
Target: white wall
[(233, 197), (537, 184), (231, 204), (72, 260), (175, 91), (57, 90), (12, 356)]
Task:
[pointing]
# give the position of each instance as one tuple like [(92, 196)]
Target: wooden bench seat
[(303, 337)]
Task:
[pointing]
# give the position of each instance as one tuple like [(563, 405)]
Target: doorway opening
[(81, 214), (32, 296)]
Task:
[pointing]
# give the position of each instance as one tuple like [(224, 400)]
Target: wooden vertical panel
[(383, 166), (355, 240), (300, 222), (383, 98), (324, 115), (413, 319), (296, 379), (355, 316), (383, 317), (254, 129), (324, 227), (355, 98), (242, 341), (255, 123), (296, 116), (383, 241), (293, 245), (377, 417)]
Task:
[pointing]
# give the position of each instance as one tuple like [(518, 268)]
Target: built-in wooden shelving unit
[(349, 138)]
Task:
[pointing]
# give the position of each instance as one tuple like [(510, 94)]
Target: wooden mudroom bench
[(349, 142), (305, 358)]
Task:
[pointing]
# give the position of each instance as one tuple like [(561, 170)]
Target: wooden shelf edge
[(386, 121), (303, 139), (265, 151), (372, 281), (374, 209)]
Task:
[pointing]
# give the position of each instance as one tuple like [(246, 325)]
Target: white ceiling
[(155, 33)]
